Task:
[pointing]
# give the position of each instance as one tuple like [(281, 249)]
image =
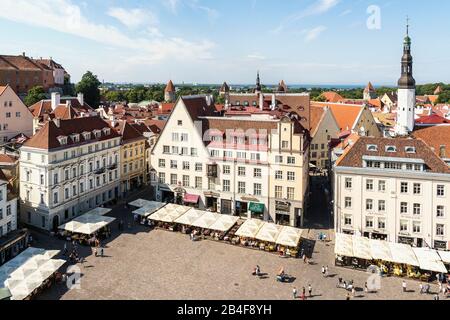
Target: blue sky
[(211, 41)]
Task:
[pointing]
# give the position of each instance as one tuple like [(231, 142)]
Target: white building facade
[(8, 210), (78, 170), (393, 189)]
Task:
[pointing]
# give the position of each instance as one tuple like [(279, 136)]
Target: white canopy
[(169, 213), (269, 232), (362, 248), (403, 253), (289, 237), (445, 256), (29, 270), (140, 203), (344, 245), (380, 250), (249, 228), (100, 211), (206, 220), (429, 260), (190, 217), (149, 208), (224, 223), (87, 224)]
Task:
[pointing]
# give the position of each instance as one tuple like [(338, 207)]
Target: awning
[(445, 256), (256, 207), (403, 253), (344, 245), (191, 198), (429, 260), (361, 248)]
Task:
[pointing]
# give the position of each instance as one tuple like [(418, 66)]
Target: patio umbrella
[(21, 273), (12, 283)]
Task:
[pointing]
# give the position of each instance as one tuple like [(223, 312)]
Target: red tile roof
[(5, 158), (345, 114), (432, 119), (47, 137), (170, 87), (353, 157), (332, 97), (436, 137)]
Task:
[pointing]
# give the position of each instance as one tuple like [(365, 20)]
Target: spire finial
[(407, 25)]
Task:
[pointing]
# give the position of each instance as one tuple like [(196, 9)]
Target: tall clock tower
[(406, 91)]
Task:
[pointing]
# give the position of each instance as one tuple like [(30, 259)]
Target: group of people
[(303, 295)]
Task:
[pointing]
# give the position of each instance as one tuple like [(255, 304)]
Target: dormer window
[(87, 135), (62, 140), (246, 103), (391, 149), (372, 147), (410, 150), (106, 131), (238, 103), (75, 138), (97, 133)]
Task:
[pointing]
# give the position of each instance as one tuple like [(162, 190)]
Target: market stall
[(29, 272), (224, 223), (343, 249), (362, 253), (148, 208), (166, 216), (288, 241), (100, 211), (429, 260), (249, 228), (140, 203), (268, 235), (85, 226)]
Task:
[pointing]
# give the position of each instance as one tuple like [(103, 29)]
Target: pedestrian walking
[(348, 296), (310, 290), (101, 252), (366, 288), (404, 285), (65, 249), (294, 293), (305, 259), (440, 286), (353, 292), (95, 252), (323, 271), (436, 297), (326, 272), (421, 288)]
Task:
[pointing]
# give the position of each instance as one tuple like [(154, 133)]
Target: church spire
[(407, 80), (258, 83)]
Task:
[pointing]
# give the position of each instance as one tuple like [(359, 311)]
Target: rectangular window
[(290, 176), (381, 205), (440, 229), (184, 137), (241, 187), (198, 167), (381, 186), (162, 163), (166, 149), (278, 159), (226, 185), (290, 193), (226, 169), (369, 185), (257, 173), (257, 189), (186, 181), (186, 165), (285, 144), (440, 190), (278, 192), (55, 198), (348, 183), (417, 188), (175, 137), (278, 175), (369, 222), (417, 209), (369, 204), (416, 227), (291, 160), (382, 224), (403, 225), (440, 211), (173, 164), (348, 202), (194, 152), (348, 220), (173, 179), (8, 210), (199, 183), (162, 177), (241, 171), (404, 207), (404, 187)]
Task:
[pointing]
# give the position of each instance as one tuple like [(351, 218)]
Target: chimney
[(23, 54), (56, 100), (80, 98), (274, 102), (261, 101)]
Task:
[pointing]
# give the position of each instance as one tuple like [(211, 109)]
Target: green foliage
[(35, 94), (320, 98), (89, 86)]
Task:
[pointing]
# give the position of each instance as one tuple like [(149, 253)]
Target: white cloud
[(313, 34), (317, 8), (172, 4), (64, 16), (133, 18), (346, 12)]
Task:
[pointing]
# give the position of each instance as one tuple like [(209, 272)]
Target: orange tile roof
[(316, 117), (345, 114), (433, 98), (376, 103), (332, 96), (435, 137), (170, 87), (2, 89)]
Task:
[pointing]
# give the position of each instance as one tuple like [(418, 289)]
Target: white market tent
[(169, 213), (289, 237), (362, 248), (403, 253), (344, 245), (206, 220), (100, 211), (140, 203), (190, 217), (380, 250), (87, 224), (249, 228), (149, 208), (445, 256), (429, 260), (224, 223), (269, 232), (28, 271)]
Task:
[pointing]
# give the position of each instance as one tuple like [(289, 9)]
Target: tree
[(320, 98), (89, 86), (35, 94)]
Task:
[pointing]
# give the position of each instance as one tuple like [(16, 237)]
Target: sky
[(347, 42)]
